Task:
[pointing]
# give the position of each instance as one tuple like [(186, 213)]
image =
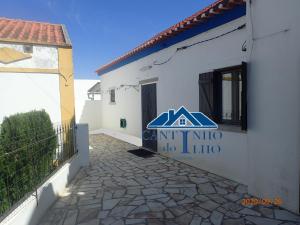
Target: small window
[(182, 122), (223, 95), (112, 93), (28, 48)]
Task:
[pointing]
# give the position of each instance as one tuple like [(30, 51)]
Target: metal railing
[(27, 163)]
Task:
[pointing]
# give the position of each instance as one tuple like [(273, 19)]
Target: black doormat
[(141, 153)]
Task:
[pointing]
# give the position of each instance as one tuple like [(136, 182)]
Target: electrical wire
[(197, 43), (210, 39), (166, 61), (251, 32), (155, 63)]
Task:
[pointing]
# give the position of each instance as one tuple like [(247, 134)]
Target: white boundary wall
[(23, 92), (87, 111), (29, 213)]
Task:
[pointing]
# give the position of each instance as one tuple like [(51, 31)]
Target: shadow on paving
[(121, 188)]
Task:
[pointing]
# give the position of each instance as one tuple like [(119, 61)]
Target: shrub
[(27, 147)]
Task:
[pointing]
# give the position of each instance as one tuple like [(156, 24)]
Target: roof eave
[(66, 35), (154, 42), (14, 41)]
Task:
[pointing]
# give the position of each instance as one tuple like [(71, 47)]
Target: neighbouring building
[(88, 102), (237, 62), (36, 69)]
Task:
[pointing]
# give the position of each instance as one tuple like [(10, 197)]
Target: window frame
[(211, 95), (28, 49), (180, 120), (234, 71), (110, 96)]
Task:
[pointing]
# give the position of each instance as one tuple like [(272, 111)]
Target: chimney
[(171, 114)]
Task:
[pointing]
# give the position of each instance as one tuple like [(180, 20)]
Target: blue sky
[(103, 30)]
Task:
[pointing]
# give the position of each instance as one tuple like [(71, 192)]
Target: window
[(112, 94), (223, 95), (182, 122), (27, 48), (231, 96)]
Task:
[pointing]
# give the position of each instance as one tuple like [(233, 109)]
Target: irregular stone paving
[(119, 188)]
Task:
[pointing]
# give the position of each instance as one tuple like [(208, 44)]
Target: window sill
[(231, 128)]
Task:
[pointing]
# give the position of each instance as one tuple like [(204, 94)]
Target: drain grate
[(141, 153)]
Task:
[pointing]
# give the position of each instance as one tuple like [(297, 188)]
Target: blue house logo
[(182, 119)]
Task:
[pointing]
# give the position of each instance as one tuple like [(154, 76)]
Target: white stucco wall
[(178, 85), (274, 106), (267, 156), (87, 111), (23, 92), (43, 57)]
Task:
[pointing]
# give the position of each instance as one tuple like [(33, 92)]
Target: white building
[(246, 58), (36, 69)]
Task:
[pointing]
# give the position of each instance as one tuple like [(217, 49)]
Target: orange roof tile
[(23, 31)]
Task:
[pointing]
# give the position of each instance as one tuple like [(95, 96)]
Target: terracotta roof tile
[(199, 17), (15, 30)]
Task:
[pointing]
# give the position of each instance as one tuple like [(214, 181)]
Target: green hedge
[(27, 148)]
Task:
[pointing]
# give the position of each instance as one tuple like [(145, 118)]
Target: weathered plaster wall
[(43, 57), (47, 75)]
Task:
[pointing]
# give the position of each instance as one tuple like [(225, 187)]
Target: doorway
[(149, 112)]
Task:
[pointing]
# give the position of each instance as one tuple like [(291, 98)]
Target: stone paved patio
[(120, 188)]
